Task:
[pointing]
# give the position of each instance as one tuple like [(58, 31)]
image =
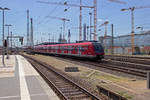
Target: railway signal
[(64, 23), (132, 23)]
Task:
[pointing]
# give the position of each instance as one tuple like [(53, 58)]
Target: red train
[(83, 49)]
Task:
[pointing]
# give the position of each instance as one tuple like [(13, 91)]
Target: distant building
[(140, 40)]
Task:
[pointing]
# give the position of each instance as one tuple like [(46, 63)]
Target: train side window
[(62, 48), (82, 48), (76, 48), (86, 47), (68, 48)]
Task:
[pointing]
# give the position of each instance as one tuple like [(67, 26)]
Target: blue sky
[(43, 26)]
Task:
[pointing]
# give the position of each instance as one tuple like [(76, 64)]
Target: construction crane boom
[(118, 1), (133, 8), (64, 4), (106, 22)]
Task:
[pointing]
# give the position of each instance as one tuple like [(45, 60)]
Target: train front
[(99, 50)]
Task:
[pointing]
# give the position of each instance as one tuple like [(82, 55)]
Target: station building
[(122, 44)]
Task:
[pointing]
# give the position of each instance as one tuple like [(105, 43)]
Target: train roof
[(68, 44)]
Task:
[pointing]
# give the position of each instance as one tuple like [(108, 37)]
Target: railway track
[(125, 67), (63, 86), (117, 68), (131, 59)]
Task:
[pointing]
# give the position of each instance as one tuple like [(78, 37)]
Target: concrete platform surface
[(8, 69), (8, 62), (24, 83)]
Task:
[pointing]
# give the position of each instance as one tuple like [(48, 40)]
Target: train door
[(79, 50), (69, 50)]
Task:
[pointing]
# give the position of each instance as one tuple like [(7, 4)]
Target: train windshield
[(98, 48)]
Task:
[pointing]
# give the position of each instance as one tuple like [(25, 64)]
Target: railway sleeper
[(60, 83), (139, 66), (66, 88), (72, 90), (80, 97), (74, 93), (60, 86)]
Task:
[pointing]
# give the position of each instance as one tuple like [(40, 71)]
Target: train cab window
[(98, 47)]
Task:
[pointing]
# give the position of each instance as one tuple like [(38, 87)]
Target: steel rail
[(58, 73)]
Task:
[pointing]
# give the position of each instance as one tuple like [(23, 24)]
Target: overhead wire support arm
[(64, 23)]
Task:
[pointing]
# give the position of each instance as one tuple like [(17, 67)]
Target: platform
[(20, 81)]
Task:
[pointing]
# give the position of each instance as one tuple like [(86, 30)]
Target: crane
[(72, 5), (132, 22), (64, 23)]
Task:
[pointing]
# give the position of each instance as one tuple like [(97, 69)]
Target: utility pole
[(11, 40), (90, 25), (3, 48), (112, 40), (132, 32), (105, 36), (80, 21), (84, 31), (64, 27), (28, 39), (31, 37), (69, 35), (8, 25), (49, 37), (95, 20), (87, 32)]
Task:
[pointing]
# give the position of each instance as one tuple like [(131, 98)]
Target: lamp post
[(3, 9), (140, 28), (8, 25)]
